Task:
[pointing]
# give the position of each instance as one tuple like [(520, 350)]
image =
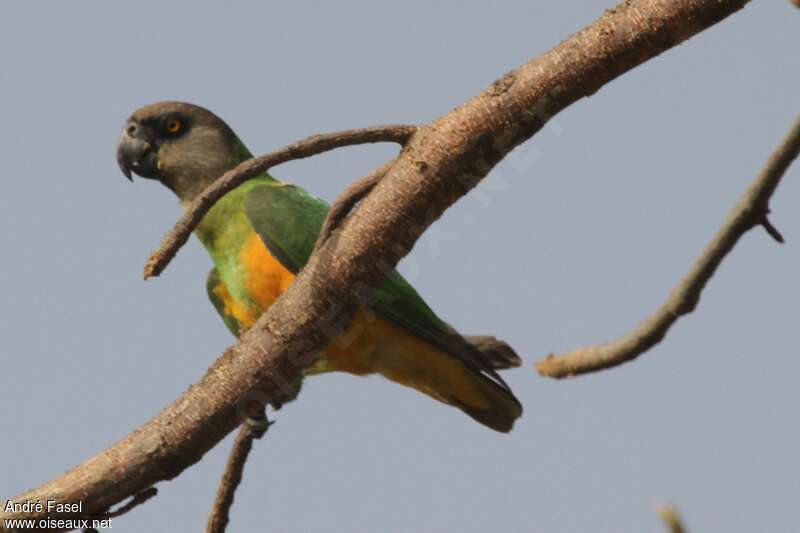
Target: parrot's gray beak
[(137, 153)]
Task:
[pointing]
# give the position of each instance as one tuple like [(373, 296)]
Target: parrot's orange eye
[(174, 126)]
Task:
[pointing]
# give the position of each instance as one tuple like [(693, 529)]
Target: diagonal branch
[(750, 211), (316, 144), (441, 162), (346, 201), (252, 429)]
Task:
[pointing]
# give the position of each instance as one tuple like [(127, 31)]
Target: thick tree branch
[(440, 163), (750, 211), (316, 144)]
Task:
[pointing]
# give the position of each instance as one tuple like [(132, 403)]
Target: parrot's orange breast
[(265, 277), (264, 280), (371, 343)]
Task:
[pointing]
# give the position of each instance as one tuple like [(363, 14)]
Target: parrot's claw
[(259, 425)]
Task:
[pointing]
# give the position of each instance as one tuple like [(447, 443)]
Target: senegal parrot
[(261, 234)]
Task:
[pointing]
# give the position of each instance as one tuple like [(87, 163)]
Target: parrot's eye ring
[(173, 126)]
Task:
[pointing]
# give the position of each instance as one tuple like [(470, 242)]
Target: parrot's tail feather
[(474, 387), (503, 409), (496, 353), (462, 374)]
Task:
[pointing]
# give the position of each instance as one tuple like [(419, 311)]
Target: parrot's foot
[(259, 424)]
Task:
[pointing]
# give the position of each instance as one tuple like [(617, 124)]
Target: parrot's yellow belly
[(370, 344)]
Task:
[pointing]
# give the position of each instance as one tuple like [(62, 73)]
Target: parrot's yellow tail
[(465, 379), (503, 408), (448, 379)]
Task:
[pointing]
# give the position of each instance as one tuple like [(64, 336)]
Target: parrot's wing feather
[(288, 220), (216, 293)]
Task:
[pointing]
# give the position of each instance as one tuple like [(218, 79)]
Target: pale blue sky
[(572, 240)]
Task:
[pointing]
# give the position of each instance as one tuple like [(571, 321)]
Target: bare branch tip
[(153, 268), (671, 518), (771, 230), (550, 367), (137, 500), (541, 365)]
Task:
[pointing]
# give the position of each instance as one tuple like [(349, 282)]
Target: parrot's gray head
[(184, 146)]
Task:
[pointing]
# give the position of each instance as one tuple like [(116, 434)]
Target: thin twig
[(253, 428), (672, 519), (750, 211), (136, 501), (348, 199), (307, 147)]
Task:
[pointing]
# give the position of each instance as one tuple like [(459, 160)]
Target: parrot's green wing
[(288, 220), (215, 290)]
